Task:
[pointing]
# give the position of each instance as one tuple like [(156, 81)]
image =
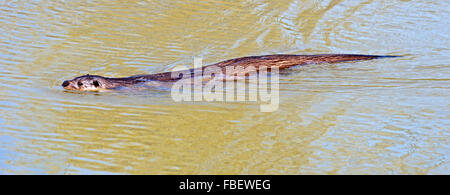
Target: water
[(386, 116)]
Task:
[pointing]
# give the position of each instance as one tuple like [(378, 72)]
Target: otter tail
[(334, 58)]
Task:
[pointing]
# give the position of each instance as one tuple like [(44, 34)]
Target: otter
[(281, 61)]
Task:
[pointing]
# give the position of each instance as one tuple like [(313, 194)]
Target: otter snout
[(65, 84)]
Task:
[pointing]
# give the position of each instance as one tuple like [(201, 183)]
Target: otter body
[(96, 83)]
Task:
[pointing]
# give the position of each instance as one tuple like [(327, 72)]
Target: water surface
[(386, 116)]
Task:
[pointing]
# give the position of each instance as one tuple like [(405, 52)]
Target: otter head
[(86, 83)]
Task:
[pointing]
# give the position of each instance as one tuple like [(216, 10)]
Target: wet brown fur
[(269, 61)]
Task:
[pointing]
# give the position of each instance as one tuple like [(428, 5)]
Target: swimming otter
[(96, 83)]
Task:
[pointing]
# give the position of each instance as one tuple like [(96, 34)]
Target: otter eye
[(96, 84), (80, 83)]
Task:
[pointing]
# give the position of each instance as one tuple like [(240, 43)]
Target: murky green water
[(386, 116)]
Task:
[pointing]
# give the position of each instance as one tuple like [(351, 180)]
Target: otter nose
[(65, 83)]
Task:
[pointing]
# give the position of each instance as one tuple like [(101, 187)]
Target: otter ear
[(96, 84)]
